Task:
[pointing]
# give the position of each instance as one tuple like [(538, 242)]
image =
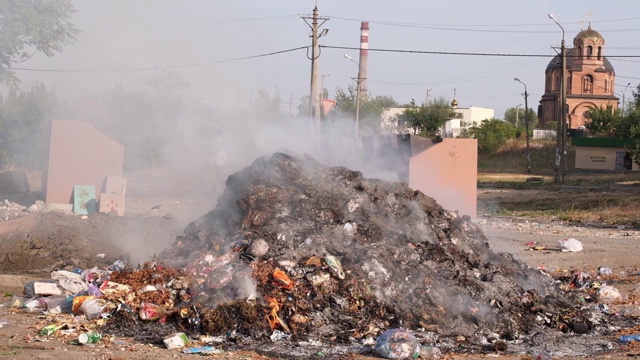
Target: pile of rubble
[(295, 250)]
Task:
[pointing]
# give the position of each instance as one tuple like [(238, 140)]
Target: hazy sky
[(128, 34)]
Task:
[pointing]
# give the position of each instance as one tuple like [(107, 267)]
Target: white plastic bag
[(570, 245), (608, 294)]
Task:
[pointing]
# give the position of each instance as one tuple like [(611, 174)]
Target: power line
[(164, 67), (461, 53), (473, 28)]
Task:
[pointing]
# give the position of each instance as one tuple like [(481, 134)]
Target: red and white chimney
[(364, 56)]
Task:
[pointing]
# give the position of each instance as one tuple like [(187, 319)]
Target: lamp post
[(561, 152), (526, 122), (322, 92), (624, 93), (358, 80)]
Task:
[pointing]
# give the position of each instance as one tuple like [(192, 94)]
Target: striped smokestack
[(364, 56)]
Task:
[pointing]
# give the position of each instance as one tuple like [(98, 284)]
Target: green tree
[(33, 26), (603, 121), (371, 108), (24, 126), (519, 120), (492, 134), (636, 98), (427, 120)]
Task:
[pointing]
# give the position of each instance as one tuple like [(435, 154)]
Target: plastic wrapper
[(397, 344), (152, 312)]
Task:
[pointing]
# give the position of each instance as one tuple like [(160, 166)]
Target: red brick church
[(590, 81)]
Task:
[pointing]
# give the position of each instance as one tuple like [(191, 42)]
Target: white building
[(470, 116)]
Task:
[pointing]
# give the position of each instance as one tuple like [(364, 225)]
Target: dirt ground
[(69, 241)]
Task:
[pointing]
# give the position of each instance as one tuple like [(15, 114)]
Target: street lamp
[(561, 153), (526, 122), (624, 93), (517, 115), (358, 80), (322, 92)]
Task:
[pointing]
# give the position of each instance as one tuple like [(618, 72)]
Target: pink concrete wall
[(79, 154), (448, 172)]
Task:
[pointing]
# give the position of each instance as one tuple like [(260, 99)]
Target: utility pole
[(624, 93), (314, 111), (518, 113), (563, 87), (561, 136), (526, 122), (427, 102)]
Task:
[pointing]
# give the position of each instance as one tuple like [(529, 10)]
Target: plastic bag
[(397, 344), (570, 245), (150, 311), (608, 294), (69, 281)]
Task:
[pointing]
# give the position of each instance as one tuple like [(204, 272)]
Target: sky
[(193, 36)]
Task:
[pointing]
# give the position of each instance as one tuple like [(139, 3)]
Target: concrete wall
[(448, 172), (79, 154), (599, 158)]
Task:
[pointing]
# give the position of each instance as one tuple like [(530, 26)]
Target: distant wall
[(448, 172), (79, 154)]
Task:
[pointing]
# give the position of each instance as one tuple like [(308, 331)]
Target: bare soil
[(33, 246)]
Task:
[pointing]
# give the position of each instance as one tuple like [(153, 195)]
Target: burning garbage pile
[(295, 250), (308, 251)]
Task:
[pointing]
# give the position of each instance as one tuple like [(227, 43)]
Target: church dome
[(588, 34), (454, 103)]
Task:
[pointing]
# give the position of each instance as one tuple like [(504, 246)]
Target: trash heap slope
[(346, 256)]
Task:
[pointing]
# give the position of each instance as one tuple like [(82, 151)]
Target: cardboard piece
[(84, 199), (46, 288), (114, 185), (112, 202)]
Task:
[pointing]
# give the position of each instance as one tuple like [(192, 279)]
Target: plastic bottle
[(630, 338), (90, 337)]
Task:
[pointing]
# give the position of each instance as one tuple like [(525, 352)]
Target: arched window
[(589, 51), (587, 84), (548, 84), (580, 54), (557, 83), (568, 84), (606, 86), (599, 52)]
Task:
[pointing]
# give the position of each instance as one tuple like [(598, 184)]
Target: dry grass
[(585, 197)]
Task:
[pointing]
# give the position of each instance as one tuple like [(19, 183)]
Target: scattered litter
[(608, 294), (397, 344), (203, 350), (570, 245), (602, 270), (176, 340), (625, 339)]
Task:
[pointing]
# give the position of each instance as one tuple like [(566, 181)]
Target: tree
[(24, 126), (30, 27), (519, 120), (636, 98), (371, 108), (427, 120), (491, 134), (603, 121)]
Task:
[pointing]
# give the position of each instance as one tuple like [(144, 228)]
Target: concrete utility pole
[(427, 102), (517, 113), (561, 141), (358, 80), (314, 111), (526, 122), (624, 94)]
